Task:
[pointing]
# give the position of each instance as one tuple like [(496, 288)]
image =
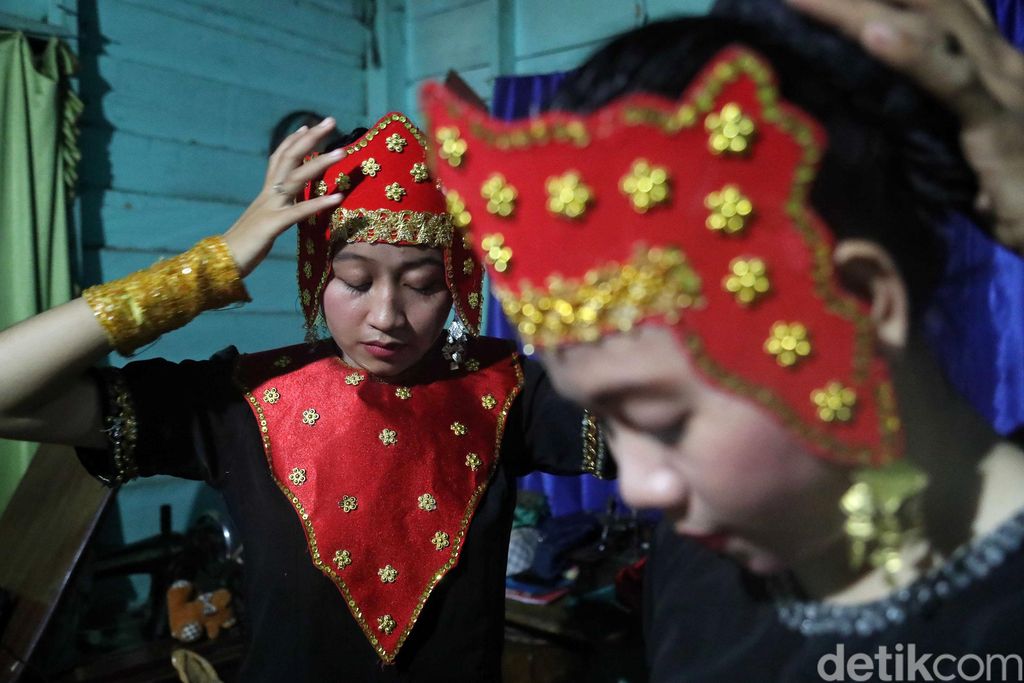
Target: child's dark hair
[(893, 166)]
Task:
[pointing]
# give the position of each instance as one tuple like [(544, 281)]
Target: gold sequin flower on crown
[(297, 476), (342, 558), (388, 437), (457, 209), (747, 280), (310, 416), (271, 395), (568, 195), (348, 503), (473, 461), (731, 131), (386, 624), (500, 196), (342, 183), (394, 192), (452, 146), (495, 251), (488, 401), (458, 429), (395, 142), (730, 210), (387, 574), (835, 402), (426, 502), (645, 185), (440, 541), (370, 167), (419, 172), (788, 343)]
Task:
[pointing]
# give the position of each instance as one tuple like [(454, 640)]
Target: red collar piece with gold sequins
[(691, 214), (385, 479), (390, 197)]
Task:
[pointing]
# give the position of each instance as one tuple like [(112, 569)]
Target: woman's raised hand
[(951, 48), (275, 209)]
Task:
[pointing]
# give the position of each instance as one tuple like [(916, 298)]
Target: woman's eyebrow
[(424, 261)]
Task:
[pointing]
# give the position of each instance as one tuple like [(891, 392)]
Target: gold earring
[(882, 515)]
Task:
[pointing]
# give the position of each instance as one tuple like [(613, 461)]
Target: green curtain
[(38, 157)]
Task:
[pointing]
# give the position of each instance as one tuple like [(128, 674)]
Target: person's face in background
[(386, 305), (720, 467)]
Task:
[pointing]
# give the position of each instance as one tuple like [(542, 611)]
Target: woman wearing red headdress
[(760, 206), (370, 471)]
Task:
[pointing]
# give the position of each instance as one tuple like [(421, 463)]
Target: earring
[(454, 349), (883, 514)]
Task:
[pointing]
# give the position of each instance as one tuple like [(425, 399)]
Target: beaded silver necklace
[(969, 564)]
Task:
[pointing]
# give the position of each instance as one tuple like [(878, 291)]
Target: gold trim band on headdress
[(657, 281), (137, 309), (391, 227)]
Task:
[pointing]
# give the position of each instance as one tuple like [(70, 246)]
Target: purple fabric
[(516, 97), (976, 325)]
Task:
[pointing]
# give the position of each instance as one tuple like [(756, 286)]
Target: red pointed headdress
[(692, 214), (390, 196)]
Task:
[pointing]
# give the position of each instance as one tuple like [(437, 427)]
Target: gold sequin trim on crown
[(391, 227), (613, 297)]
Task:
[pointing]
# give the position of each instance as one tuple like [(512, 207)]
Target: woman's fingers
[(294, 148), (303, 210)]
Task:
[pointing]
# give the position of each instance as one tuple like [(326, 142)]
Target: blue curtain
[(516, 97), (976, 325)]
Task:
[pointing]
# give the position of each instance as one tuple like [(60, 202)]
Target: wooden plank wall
[(485, 38), (180, 100)]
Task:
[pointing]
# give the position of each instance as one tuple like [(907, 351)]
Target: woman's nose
[(388, 311), (647, 478)]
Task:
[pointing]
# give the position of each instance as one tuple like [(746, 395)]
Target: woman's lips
[(383, 351)]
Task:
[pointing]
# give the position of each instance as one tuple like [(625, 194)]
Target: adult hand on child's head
[(274, 210), (951, 48)]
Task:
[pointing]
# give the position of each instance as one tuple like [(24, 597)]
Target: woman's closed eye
[(425, 288), (360, 286)]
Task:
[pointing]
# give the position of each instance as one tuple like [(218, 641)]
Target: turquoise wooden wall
[(484, 38), (180, 100)]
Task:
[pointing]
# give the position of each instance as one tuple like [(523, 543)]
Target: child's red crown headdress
[(390, 197), (692, 214)]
